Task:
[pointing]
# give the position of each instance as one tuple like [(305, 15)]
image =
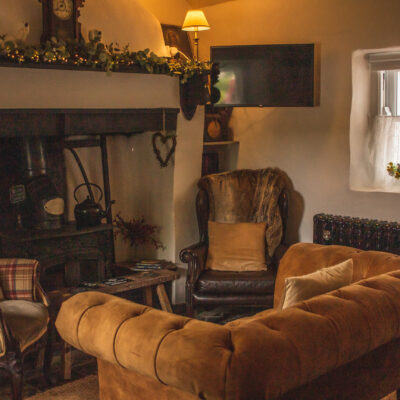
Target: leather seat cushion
[(26, 320), (228, 282)]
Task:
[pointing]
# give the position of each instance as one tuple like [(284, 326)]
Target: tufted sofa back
[(305, 258), (258, 358)]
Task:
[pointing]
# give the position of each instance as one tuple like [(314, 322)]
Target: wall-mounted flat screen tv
[(267, 75)]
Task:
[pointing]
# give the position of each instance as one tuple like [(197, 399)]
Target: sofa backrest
[(261, 359), (305, 258)]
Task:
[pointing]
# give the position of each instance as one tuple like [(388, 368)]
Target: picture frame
[(174, 36)]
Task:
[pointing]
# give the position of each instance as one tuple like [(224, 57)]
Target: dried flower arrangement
[(137, 232)]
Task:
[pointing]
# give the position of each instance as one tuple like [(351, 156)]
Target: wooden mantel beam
[(72, 122)]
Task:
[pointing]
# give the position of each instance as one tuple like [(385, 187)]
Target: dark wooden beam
[(76, 122), (78, 143)]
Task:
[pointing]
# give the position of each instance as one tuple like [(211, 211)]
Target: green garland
[(98, 56)]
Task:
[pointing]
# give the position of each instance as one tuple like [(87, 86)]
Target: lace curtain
[(384, 147)]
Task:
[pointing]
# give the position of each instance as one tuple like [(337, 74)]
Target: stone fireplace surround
[(163, 196)]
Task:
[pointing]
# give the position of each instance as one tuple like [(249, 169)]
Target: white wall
[(170, 12), (125, 21), (310, 144)]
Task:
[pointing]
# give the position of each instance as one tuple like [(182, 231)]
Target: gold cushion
[(325, 280), (26, 320), (236, 247)]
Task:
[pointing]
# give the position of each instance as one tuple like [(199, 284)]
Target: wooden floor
[(34, 382)]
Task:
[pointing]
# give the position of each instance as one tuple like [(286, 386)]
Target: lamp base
[(196, 46)]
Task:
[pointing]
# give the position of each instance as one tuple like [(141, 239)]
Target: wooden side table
[(147, 281)]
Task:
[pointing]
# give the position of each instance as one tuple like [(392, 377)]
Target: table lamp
[(195, 21)]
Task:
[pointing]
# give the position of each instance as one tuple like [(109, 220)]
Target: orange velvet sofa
[(340, 345)]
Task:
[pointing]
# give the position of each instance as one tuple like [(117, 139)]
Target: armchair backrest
[(19, 279), (245, 196)]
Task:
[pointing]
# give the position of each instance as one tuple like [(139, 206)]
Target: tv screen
[(266, 75)]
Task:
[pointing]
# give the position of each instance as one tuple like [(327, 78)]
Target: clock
[(62, 9), (216, 127), (60, 19)]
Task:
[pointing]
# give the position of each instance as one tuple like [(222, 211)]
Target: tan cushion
[(325, 280), (236, 247), (26, 320), (304, 258)]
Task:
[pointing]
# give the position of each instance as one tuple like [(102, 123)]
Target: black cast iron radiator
[(361, 233)]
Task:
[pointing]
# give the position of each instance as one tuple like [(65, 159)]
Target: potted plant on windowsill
[(393, 170)]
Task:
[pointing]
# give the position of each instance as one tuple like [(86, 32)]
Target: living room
[(115, 160)]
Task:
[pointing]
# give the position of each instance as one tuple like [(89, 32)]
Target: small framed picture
[(174, 36)]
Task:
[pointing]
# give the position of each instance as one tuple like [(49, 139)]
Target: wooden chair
[(24, 319)]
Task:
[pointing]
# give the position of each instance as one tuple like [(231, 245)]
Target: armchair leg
[(189, 310), (16, 371), (48, 355)]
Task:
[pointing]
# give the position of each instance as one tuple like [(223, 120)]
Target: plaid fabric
[(17, 278)]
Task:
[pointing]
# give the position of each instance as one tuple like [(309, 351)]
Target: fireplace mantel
[(70, 122), (163, 196)]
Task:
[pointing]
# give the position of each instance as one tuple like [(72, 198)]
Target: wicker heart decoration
[(163, 139)]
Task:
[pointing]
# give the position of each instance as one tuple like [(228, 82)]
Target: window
[(387, 93), (375, 120)]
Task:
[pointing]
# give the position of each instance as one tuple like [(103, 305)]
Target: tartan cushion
[(17, 277)]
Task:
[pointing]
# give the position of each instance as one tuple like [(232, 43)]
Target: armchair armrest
[(195, 256), (279, 253)]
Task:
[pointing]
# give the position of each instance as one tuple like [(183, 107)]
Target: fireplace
[(32, 144)]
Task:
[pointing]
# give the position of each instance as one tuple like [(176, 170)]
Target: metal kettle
[(89, 212)]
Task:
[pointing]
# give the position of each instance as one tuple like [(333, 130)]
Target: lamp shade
[(195, 21)]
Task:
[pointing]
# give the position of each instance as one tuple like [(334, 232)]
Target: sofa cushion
[(324, 280), (236, 247), (228, 282), (26, 320), (304, 258)]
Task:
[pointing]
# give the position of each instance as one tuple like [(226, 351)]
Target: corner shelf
[(222, 143)]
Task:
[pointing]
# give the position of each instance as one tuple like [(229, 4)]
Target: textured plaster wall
[(310, 144), (125, 21), (168, 12)]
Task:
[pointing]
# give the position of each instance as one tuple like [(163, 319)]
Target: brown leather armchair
[(235, 202)]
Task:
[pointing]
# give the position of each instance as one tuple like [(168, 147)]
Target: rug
[(82, 389), (87, 388)]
